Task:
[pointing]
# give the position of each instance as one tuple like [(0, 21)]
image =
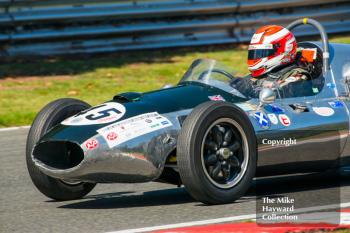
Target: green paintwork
[(184, 96)]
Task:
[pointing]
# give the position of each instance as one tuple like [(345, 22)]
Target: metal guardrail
[(57, 27)]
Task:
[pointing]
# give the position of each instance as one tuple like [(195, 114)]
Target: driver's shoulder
[(289, 70)]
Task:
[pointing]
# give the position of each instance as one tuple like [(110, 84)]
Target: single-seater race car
[(203, 133)]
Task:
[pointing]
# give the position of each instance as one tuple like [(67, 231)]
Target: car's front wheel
[(216, 153), (51, 115)]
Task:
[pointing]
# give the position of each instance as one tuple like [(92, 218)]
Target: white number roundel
[(101, 114)]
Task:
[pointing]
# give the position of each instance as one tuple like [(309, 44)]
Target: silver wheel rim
[(230, 160)]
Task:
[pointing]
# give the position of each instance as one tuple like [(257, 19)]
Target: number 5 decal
[(102, 114)]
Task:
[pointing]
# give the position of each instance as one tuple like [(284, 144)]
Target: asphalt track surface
[(111, 207)]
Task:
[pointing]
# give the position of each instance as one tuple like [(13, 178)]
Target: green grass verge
[(26, 86)]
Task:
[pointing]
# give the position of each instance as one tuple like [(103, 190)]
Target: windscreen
[(213, 73)]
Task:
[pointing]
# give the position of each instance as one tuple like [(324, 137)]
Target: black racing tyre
[(51, 115), (217, 153)]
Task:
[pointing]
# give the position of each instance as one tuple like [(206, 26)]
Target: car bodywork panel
[(323, 140)]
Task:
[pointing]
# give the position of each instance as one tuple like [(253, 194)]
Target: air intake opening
[(59, 154)]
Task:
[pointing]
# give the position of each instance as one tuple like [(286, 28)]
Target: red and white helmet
[(270, 47)]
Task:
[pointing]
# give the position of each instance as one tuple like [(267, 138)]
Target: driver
[(272, 63)]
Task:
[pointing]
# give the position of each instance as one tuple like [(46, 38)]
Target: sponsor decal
[(273, 118), (101, 114), (315, 90), (276, 109), (330, 85), (246, 106), (91, 144), (155, 125), (279, 142), (336, 104), (323, 111), (133, 127), (262, 120), (260, 46), (112, 136), (284, 119), (216, 98)]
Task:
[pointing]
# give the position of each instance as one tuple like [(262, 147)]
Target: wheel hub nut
[(225, 152)]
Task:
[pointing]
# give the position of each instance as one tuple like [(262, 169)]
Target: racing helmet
[(271, 46)]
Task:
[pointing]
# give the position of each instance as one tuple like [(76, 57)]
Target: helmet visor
[(260, 53)]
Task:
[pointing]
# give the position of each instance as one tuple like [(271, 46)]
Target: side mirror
[(267, 96)]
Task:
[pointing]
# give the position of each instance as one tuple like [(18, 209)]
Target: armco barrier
[(57, 27)]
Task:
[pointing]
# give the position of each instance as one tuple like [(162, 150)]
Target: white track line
[(226, 219), (14, 128), (188, 224)]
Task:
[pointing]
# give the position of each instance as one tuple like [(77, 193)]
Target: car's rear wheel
[(216, 153), (51, 115)]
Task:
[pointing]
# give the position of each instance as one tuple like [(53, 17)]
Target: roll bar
[(323, 34)]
